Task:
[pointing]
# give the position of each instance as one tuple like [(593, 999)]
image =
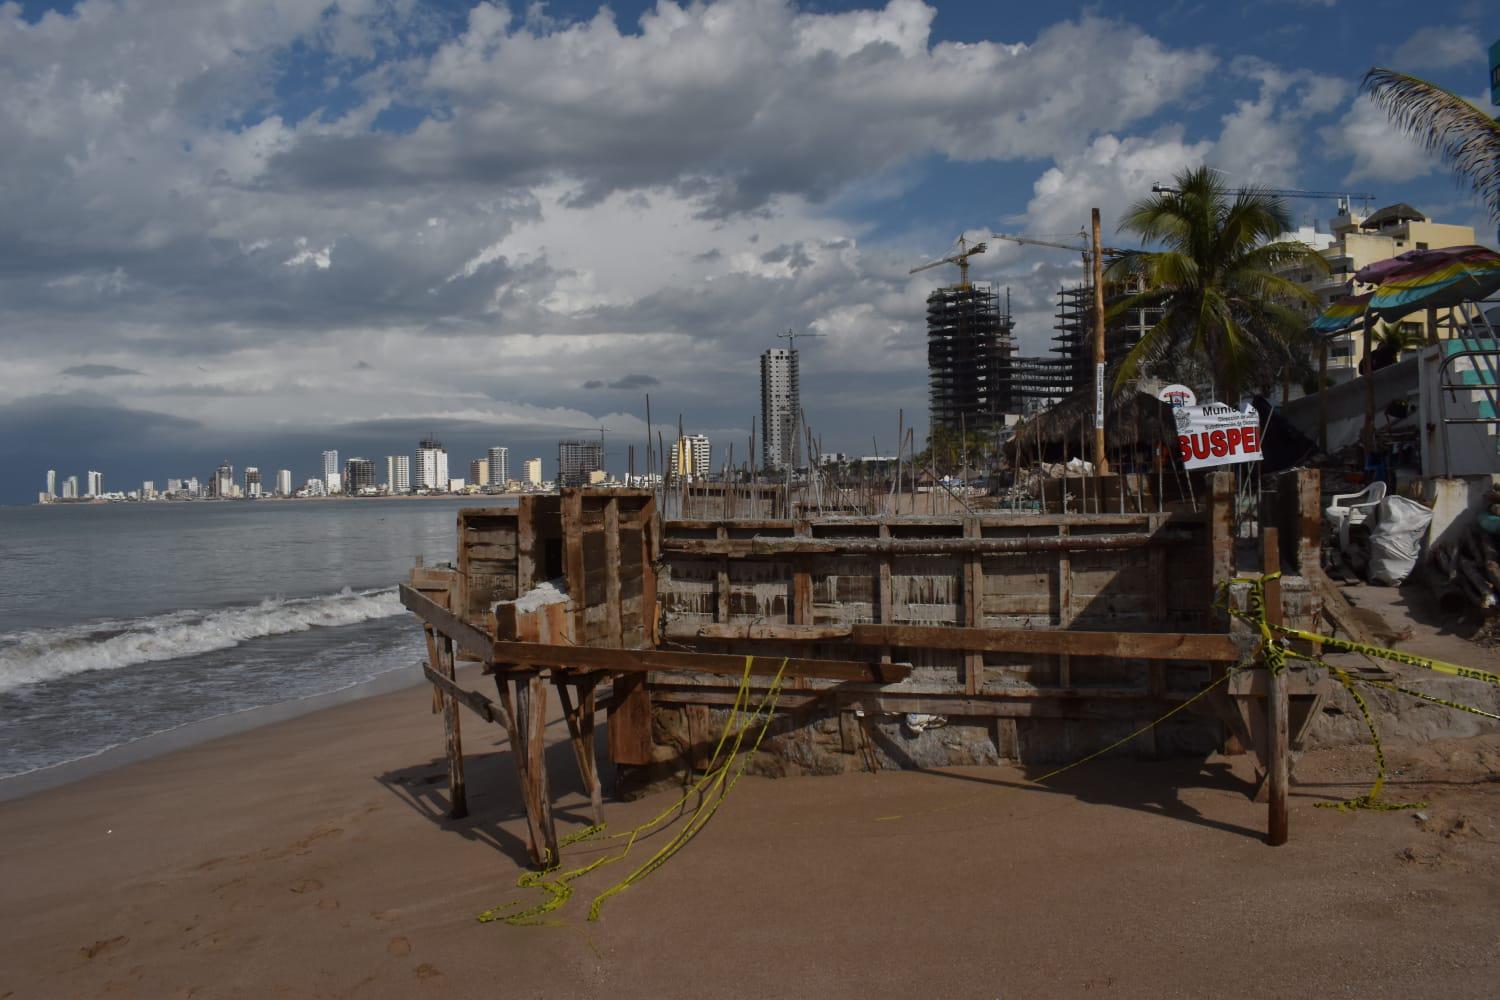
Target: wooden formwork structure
[(1010, 619)]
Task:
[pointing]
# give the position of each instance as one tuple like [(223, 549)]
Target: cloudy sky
[(262, 228)]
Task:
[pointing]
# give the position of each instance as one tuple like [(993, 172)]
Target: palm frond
[(1467, 139)]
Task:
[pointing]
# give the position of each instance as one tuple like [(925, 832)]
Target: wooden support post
[(1064, 608), (650, 552), (1278, 710), (973, 608), (613, 608), (1156, 675), (883, 594), (1007, 740), (580, 719), (721, 586), (440, 654), (573, 568), (1220, 537), (802, 592), (531, 720)]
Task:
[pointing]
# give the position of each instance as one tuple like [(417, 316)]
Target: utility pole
[(1101, 463)]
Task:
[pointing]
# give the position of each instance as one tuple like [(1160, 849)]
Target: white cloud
[(1438, 47), (1381, 152)]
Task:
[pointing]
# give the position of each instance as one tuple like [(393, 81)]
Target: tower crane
[(791, 337), (965, 251)]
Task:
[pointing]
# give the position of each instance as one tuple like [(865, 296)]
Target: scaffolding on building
[(969, 351)]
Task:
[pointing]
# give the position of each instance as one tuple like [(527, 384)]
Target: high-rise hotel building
[(499, 467), (780, 402), (432, 465), (398, 473)]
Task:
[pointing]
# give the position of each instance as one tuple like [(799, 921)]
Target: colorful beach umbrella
[(1374, 274), (1341, 314), (1440, 279)]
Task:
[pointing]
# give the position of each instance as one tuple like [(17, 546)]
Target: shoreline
[(191, 734)]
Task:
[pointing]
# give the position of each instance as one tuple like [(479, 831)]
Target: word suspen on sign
[(1215, 434)]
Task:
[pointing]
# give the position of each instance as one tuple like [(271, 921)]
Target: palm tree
[(1467, 139), (1220, 281)]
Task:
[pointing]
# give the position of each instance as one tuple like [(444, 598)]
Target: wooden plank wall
[(1156, 588), (487, 563)]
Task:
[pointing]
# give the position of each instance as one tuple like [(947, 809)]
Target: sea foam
[(34, 656)]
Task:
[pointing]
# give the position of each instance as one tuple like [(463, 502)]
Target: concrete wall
[(1346, 404)]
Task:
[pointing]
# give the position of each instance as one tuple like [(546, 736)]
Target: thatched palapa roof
[(1131, 420)]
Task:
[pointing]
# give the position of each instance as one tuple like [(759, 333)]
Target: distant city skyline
[(387, 473)]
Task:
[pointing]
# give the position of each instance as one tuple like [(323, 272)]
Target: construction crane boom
[(1079, 249), (1363, 196), (791, 337), (965, 251)]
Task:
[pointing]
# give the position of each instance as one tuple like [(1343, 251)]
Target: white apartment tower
[(51, 483), (534, 471), (479, 471), (96, 484), (780, 402), (284, 483), (432, 465), (252, 481), (331, 470), (692, 458), (70, 488), (398, 473), (499, 466)]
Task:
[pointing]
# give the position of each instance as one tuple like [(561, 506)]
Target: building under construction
[(1075, 331), (969, 347)]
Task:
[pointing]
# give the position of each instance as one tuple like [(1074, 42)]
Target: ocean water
[(122, 620)]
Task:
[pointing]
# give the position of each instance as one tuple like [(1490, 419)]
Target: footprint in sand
[(428, 971), (328, 904), (306, 885), (374, 914), (101, 946), (399, 946)]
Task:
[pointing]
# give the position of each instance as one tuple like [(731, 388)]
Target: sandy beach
[(310, 857)]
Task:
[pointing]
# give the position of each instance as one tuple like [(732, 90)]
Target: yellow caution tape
[(557, 884)]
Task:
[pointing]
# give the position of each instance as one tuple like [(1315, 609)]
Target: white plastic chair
[(1346, 515)]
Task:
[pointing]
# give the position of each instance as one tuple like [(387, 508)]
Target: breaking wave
[(46, 654)]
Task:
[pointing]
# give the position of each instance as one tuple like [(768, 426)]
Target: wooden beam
[(580, 720), (531, 712), (1190, 647), (441, 652), (1278, 710), (1156, 678), (472, 700), (650, 554), (526, 554), (1082, 704), (629, 720), (470, 638), (973, 606), (721, 582), (631, 660), (884, 595), (762, 545), (612, 570), (573, 566), (1064, 607), (791, 633)]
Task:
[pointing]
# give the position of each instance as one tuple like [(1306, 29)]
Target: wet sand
[(311, 857)]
